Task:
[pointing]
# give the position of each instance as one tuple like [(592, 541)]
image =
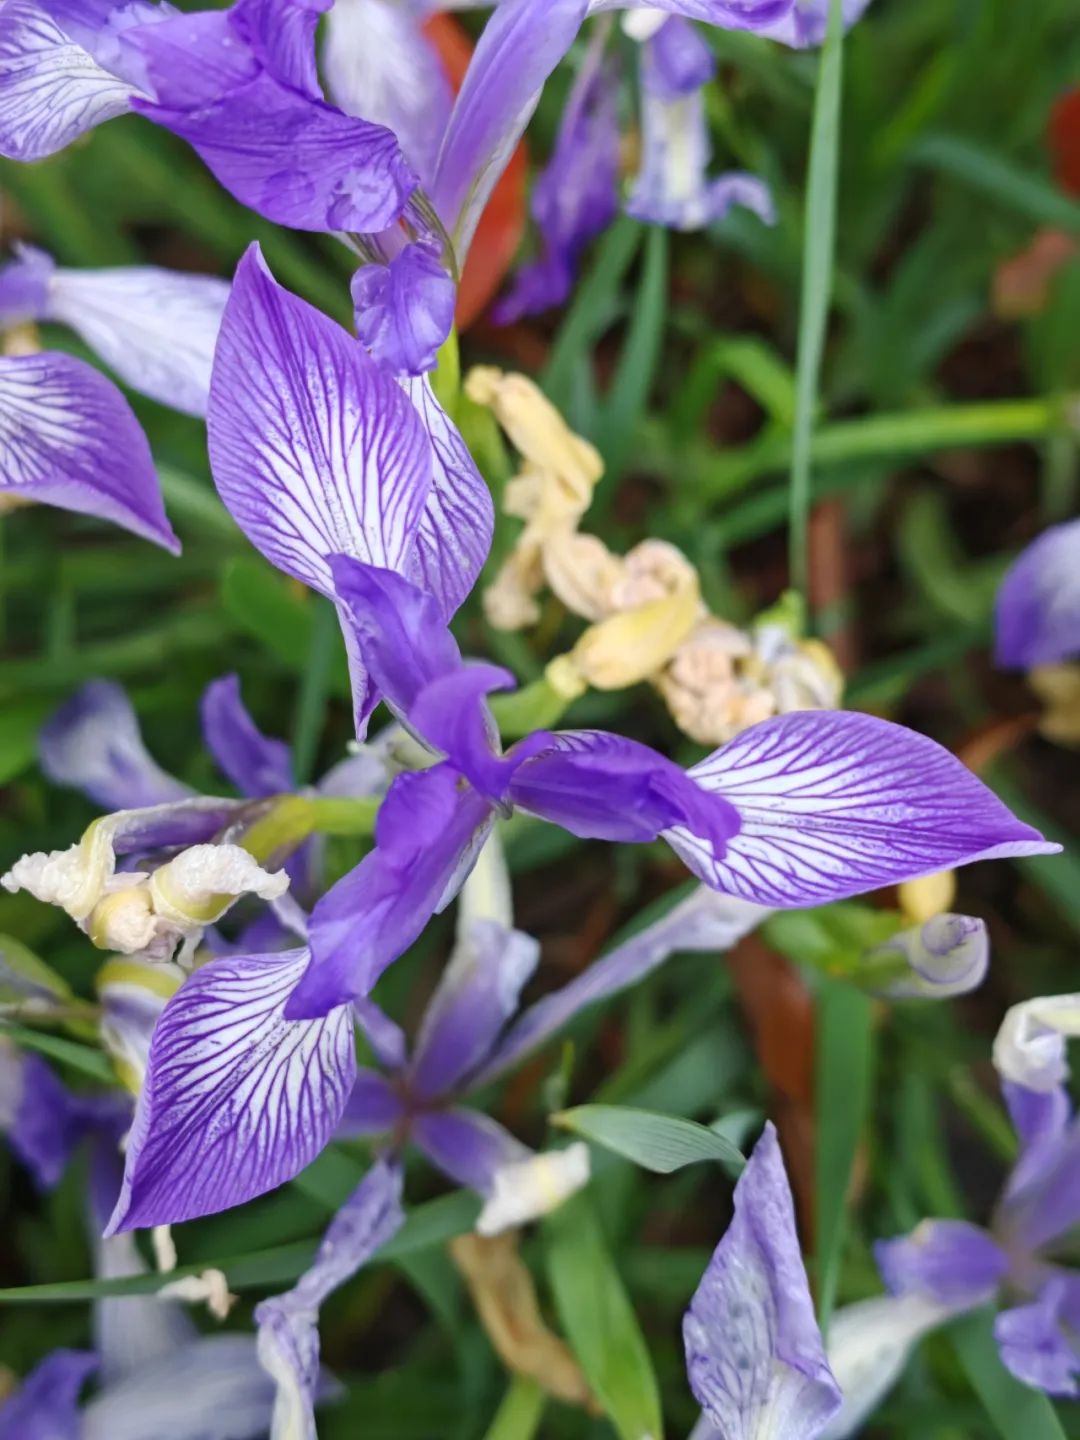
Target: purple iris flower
[(240, 85), (959, 1265), (155, 1373), (317, 452), (156, 328), (68, 438), (754, 1353), (576, 197), (673, 187), (805, 808), (1038, 605), (805, 23)]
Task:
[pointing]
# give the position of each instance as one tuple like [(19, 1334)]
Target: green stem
[(519, 1415), (314, 691), (817, 280)]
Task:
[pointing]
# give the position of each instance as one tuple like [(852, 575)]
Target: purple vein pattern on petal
[(46, 1404), (93, 744), (237, 1099), (754, 1355), (1038, 605), (428, 830), (458, 522), (255, 763), (380, 65), (313, 449), (704, 921), (282, 35), (68, 438), (288, 1324), (522, 43), (479, 991), (156, 328), (605, 787), (841, 803), (467, 1146), (51, 89), (212, 1389)]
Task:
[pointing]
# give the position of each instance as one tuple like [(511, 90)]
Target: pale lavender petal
[(68, 438), (467, 1146), (50, 1121), (458, 522), (288, 1324), (374, 1106), (605, 787), (677, 61), (156, 328), (256, 764), (754, 1354), (46, 1404), (24, 285), (93, 744), (380, 65), (806, 21), (131, 1332), (1035, 1347), (237, 1099), (576, 197), (948, 1261), (704, 921), (522, 43), (1042, 1200), (426, 825), (179, 823), (835, 804), (385, 1036), (315, 451), (51, 89), (479, 991), (948, 955), (1038, 606), (405, 310), (1041, 1121), (728, 14), (213, 1389)]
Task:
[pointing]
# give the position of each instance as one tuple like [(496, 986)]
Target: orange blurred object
[(502, 224), (1064, 138)]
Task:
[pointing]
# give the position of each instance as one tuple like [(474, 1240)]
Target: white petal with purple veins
[(838, 804), (68, 438), (51, 89), (315, 451), (456, 527), (237, 1100)]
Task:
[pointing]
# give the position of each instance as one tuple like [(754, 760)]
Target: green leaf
[(599, 1321), (661, 1143), (819, 241), (19, 963), (19, 726), (625, 401), (834, 938), (267, 606), (1017, 189), (314, 690), (67, 1052), (1013, 1409), (844, 1062), (519, 1415)]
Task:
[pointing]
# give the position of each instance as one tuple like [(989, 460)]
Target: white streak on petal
[(51, 90), (530, 1188)]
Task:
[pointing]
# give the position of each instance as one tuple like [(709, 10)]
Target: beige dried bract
[(505, 1298)]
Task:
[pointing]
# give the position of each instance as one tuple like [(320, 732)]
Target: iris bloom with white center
[(957, 1265)]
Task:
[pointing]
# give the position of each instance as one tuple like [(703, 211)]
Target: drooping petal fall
[(237, 1099), (835, 804), (257, 764), (68, 438)]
